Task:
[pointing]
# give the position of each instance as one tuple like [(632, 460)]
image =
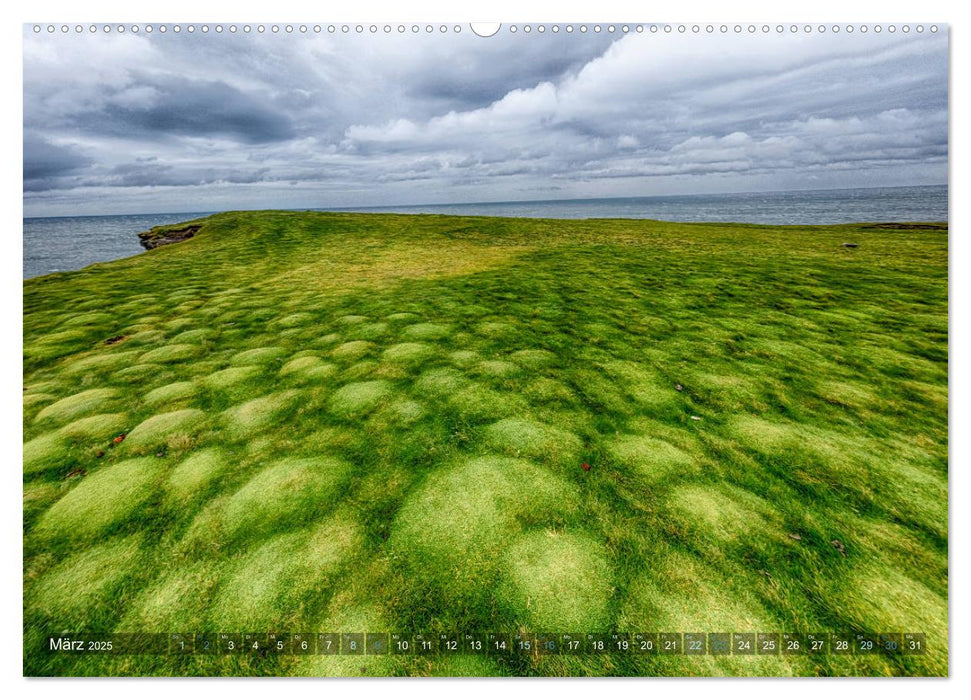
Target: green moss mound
[(33, 399), (556, 580), (370, 331), (229, 378), (452, 532), (80, 590), (407, 352), (525, 438), (425, 331), (176, 391), (193, 476), (95, 428), (102, 500), (274, 579), (101, 363), (258, 414), (258, 356), (497, 368), (178, 596), (652, 458), (196, 335), (464, 358), (353, 350), (46, 451), (308, 365), (80, 404), (533, 358), (159, 428), (289, 492), (170, 353), (359, 398), (440, 382)]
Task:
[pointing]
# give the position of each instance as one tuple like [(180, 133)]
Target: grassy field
[(358, 422)]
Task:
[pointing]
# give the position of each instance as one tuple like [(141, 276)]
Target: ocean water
[(927, 203), (57, 244), (70, 243)]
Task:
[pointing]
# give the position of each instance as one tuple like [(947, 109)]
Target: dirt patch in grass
[(166, 235)]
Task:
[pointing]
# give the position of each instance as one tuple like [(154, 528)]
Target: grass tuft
[(77, 405), (359, 398), (287, 493), (176, 391), (159, 428), (525, 438), (425, 331), (555, 580), (102, 500), (192, 477)]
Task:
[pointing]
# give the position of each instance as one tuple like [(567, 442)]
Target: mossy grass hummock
[(333, 422)]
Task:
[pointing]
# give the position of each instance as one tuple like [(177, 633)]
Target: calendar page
[(517, 349)]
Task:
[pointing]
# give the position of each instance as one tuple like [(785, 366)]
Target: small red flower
[(586, 467), (119, 438)]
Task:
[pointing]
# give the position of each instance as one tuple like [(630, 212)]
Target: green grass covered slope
[(377, 423)]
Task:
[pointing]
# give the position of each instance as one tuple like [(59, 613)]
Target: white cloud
[(354, 120)]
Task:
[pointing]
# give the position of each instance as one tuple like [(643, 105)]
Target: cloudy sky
[(203, 122)]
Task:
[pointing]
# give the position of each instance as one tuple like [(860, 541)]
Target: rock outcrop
[(165, 235)]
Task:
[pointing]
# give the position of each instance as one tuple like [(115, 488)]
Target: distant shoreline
[(69, 243), (516, 202)]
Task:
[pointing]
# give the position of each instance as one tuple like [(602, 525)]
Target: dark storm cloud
[(223, 121), (174, 106), (140, 175), (479, 79), (45, 161)]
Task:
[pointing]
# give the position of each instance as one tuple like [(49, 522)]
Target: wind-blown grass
[(325, 422)]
